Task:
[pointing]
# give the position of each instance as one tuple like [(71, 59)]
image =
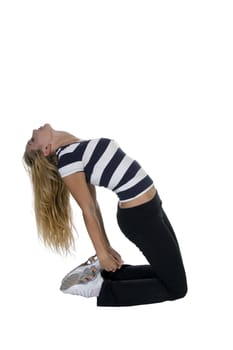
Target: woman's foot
[(86, 280), (79, 278)]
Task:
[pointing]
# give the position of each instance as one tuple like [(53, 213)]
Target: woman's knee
[(180, 292)]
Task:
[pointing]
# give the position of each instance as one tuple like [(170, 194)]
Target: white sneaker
[(93, 261), (85, 280)]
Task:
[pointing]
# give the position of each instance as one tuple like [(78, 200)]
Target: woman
[(60, 164)]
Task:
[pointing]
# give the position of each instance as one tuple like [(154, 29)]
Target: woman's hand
[(116, 256), (110, 260)]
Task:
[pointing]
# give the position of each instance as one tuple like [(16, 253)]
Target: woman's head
[(42, 139), (51, 197)]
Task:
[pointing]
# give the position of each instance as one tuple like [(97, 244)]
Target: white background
[(157, 77)]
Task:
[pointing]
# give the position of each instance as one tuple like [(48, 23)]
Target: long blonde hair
[(52, 207)]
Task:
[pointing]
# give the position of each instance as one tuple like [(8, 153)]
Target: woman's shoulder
[(93, 141)]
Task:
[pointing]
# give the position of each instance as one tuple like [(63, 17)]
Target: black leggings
[(148, 227)]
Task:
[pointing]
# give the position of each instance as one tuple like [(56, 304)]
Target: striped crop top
[(104, 164)]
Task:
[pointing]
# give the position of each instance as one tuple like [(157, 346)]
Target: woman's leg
[(169, 226), (148, 227), (130, 272)]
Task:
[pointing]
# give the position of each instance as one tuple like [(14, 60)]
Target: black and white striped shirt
[(105, 164)]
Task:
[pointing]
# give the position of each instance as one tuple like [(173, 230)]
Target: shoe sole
[(79, 278), (76, 275), (82, 267), (88, 290)]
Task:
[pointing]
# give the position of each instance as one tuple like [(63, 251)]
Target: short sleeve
[(70, 159), (70, 168)]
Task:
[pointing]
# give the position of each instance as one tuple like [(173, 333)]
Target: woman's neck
[(63, 138)]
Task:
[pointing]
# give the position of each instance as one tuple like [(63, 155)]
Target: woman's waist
[(142, 198)]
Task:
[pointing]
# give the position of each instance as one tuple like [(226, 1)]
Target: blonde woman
[(61, 164)]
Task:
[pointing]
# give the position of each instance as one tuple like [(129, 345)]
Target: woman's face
[(41, 139)]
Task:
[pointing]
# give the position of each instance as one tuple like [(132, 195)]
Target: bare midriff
[(145, 197)]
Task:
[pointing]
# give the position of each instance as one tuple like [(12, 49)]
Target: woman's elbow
[(89, 213)]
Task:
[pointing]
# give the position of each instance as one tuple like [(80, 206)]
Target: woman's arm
[(99, 215), (98, 212), (78, 187)]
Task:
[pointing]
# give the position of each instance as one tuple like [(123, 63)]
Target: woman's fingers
[(110, 260), (117, 257), (118, 264)]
